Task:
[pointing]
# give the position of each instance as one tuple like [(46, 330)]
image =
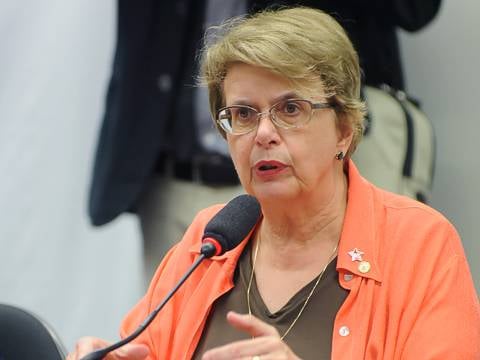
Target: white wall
[(54, 63), (442, 67)]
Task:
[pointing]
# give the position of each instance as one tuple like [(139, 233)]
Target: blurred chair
[(24, 336)]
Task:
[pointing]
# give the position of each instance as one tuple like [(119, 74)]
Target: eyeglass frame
[(282, 125)]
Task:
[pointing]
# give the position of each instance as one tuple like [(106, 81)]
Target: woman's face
[(275, 163)]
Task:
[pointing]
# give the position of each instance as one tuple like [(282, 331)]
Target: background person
[(379, 273), (157, 154)]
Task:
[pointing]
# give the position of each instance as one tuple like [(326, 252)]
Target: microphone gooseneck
[(101, 353), (223, 233)]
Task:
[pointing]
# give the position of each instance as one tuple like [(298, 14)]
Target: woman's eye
[(244, 114), (291, 108)]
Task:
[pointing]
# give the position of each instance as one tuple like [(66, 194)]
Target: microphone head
[(231, 224)]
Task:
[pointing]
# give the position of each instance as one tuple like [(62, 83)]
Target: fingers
[(131, 352), (86, 345), (247, 349), (266, 342), (251, 325)]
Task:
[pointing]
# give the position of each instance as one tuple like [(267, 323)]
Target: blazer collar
[(358, 247)]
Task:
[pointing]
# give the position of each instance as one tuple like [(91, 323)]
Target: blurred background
[(54, 66)]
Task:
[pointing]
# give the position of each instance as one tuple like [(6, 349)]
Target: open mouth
[(271, 166), (267, 167)]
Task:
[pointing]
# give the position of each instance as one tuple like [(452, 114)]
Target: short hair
[(304, 45)]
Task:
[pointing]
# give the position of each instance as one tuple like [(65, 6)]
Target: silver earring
[(339, 155)]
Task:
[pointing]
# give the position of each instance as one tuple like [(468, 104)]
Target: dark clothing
[(149, 103), (372, 28), (148, 106), (317, 318)]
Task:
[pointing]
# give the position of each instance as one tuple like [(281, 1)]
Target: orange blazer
[(411, 292)]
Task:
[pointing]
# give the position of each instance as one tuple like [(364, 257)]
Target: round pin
[(344, 331), (364, 267)]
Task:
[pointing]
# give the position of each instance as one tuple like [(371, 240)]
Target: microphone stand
[(208, 250)]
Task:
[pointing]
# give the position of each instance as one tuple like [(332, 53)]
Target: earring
[(339, 155)]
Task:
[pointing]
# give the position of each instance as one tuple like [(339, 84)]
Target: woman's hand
[(266, 344), (86, 345)]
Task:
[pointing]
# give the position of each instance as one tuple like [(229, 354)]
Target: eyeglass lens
[(239, 119)]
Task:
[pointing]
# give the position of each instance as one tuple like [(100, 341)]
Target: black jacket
[(148, 105)]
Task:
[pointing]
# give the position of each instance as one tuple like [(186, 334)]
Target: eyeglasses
[(286, 114)]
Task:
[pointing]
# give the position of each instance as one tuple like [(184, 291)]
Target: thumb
[(133, 352)]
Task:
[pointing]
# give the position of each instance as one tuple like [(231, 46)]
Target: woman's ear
[(344, 134)]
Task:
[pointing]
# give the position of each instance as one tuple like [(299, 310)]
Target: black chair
[(24, 336)]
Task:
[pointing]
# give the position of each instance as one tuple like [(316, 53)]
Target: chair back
[(25, 336)]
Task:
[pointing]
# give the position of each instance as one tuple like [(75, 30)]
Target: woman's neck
[(298, 231)]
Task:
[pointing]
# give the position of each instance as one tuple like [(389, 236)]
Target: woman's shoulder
[(403, 207), (416, 225), (183, 254), (195, 231)]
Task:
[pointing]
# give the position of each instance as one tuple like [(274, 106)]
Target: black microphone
[(223, 233)]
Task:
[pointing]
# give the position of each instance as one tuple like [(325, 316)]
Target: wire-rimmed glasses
[(286, 114)]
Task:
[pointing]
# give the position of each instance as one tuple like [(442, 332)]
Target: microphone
[(230, 225), (223, 233)]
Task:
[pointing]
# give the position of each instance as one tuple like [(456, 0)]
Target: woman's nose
[(267, 133)]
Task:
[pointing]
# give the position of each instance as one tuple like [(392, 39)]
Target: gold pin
[(364, 267)]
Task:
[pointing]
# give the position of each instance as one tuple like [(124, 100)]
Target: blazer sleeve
[(145, 306), (412, 15), (448, 325)]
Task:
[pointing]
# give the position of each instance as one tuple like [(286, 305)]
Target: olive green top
[(310, 337)]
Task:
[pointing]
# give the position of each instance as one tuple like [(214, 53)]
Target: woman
[(336, 268)]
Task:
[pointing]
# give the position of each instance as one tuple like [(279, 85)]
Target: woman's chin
[(271, 192)]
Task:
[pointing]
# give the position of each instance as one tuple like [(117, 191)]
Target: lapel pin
[(356, 254), (364, 267)]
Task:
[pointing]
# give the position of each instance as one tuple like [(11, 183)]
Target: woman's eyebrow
[(285, 96), (241, 102)]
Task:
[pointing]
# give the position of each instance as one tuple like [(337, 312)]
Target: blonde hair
[(304, 45)]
